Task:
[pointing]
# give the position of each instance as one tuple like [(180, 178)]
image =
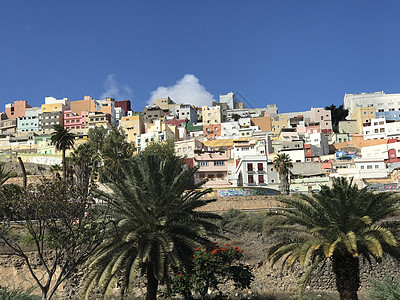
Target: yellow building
[(52, 104), (211, 115), (133, 127), (363, 116), (279, 122), (97, 118)]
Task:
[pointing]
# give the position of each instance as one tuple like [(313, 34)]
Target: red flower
[(215, 243), (236, 248), (214, 251), (180, 274), (241, 250), (197, 249), (228, 245), (223, 248)]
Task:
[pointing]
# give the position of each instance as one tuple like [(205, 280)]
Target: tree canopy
[(339, 224), (157, 223)]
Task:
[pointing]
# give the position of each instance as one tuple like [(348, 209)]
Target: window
[(250, 179), (203, 163), (250, 167), (376, 166), (380, 110), (369, 167), (260, 167), (219, 163), (260, 178)]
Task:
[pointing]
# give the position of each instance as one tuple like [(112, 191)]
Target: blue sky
[(297, 54)]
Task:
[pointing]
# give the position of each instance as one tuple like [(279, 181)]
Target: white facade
[(119, 113), (371, 168), (65, 102), (250, 170), (230, 130), (185, 111), (377, 129), (381, 101), (229, 99), (250, 147), (295, 155), (242, 112), (380, 129), (319, 141)]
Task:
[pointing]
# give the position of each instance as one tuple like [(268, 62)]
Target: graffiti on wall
[(382, 187), (229, 192)]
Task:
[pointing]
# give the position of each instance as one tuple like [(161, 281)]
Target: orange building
[(211, 130), (87, 104), (16, 109), (264, 123)]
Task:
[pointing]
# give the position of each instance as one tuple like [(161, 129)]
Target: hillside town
[(232, 143)]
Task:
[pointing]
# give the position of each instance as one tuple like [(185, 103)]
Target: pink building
[(214, 167), (323, 117), (73, 120), (16, 109)]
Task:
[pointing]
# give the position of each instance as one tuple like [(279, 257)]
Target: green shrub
[(238, 221), (7, 293), (386, 289)]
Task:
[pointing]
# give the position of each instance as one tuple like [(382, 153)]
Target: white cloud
[(186, 90), (115, 90)]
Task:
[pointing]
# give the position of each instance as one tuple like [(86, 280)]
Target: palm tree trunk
[(347, 271), (284, 183), (152, 284), (64, 163)]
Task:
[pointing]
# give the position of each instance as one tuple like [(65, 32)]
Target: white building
[(229, 99), (319, 143), (377, 129), (371, 168), (185, 111), (250, 170), (230, 130), (381, 101)]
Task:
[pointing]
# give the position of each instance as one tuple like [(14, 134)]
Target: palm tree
[(283, 163), (157, 223), (63, 139), (339, 224)]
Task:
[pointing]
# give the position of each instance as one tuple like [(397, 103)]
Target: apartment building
[(29, 122), (380, 102), (214, 167), (87, 104), (211, 115), (363, 116), (52, 104), (133, 127), (164, 103), (48, 119), (16, 109), (185, 111), (98, 118), (73, 120), (152, 113), (8, 126), (323, 117)]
